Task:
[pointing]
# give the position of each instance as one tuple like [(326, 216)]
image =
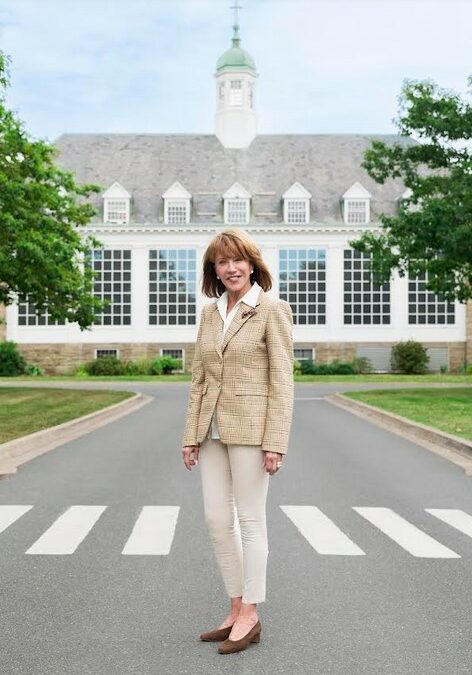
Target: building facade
[(302, 198)]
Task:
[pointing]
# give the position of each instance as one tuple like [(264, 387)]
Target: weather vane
[(236, 8)]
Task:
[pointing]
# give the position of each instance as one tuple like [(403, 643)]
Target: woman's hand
[(190, 455), (270, 461)]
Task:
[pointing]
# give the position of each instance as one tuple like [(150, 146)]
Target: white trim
[(176, 191), (237, 191), (296, 191), (357, 191), (116, 199), (288, 202)]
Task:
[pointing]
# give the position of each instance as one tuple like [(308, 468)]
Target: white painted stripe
[(320, 531), (153, 531), (408, 536), (457, 518), (68, 531), (11, 512)]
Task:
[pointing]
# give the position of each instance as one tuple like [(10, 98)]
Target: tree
[(432, 231), (42, 253)]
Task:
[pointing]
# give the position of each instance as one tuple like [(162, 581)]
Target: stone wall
[(60, 359)]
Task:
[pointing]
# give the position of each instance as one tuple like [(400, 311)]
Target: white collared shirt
[(250, 298)]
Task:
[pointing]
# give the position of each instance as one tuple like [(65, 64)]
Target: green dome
[(235, 57)]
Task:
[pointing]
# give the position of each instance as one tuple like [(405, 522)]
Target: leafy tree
[(432, 230), (41, 206)]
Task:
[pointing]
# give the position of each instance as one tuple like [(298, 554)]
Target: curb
[(454, 448), (21, 450)]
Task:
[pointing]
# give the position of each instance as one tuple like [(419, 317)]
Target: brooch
[(249, 312)]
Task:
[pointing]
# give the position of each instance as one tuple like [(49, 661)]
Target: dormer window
[(176, 205), (235, 92), (116, 205), (296, 204), (236, 205), (356, 206)]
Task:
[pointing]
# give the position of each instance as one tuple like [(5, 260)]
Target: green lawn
[(449, 410), (443, 379), (25, 410)]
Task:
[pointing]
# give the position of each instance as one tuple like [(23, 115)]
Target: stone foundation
[(61, 359)]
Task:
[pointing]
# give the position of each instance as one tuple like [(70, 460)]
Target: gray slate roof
[(148, 164)]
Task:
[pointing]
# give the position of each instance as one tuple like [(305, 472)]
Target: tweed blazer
[(247, 379)]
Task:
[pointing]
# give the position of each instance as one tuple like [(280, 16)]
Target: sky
[(147, 66)]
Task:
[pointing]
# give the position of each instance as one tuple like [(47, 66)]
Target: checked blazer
[(247, 379)]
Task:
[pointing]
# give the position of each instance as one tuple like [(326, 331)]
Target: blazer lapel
[(237, 322)]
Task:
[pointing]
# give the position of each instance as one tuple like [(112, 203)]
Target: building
[(301, 197)]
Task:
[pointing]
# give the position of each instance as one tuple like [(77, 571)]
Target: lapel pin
[(249, 312)]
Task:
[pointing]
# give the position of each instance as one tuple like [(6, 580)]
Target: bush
[(139, 367), (309, 367), (32, 369), (164, 365), (409, 357), (11, 361), (105, 365), (362, 364)]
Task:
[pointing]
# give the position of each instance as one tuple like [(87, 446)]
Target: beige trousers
[(235, 485)]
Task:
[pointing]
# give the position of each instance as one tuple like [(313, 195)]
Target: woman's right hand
[(190, 455)]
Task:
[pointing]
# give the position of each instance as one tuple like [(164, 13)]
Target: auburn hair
[(228, 243)]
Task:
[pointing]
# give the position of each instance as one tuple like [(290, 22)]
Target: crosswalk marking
[(457, 518), (409, 537), (153, 531), (67, 531), (11, 512), (320, 531)]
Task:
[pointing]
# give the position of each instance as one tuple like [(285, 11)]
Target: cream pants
[(235, 486)]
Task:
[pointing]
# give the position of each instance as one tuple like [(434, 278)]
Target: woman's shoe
[(230, 646), (216, 635)]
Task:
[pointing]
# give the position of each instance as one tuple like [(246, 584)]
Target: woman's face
[(233, 271)]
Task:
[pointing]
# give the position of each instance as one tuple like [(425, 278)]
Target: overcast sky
[(325, 66)]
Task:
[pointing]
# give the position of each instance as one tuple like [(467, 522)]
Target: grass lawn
[(449, 410), (25, 410), (181, 377)]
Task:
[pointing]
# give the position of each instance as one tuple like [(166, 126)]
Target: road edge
[(455, 449), (15, 453)]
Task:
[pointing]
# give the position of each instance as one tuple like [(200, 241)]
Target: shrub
[(163, 365), (11, 361), (139, 367), (309, 367), (409, 357), (297, 369), (362, 364), (105, 365), (33, 369)]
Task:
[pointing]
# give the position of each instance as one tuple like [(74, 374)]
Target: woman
[(238, 420)]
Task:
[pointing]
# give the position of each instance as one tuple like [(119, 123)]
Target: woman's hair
[(229, 243)]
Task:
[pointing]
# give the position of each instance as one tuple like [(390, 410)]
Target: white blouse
[(249, 298)]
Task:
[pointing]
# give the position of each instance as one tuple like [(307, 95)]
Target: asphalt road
[(370, 553)]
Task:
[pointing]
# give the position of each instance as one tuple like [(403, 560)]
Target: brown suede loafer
[(216, 635), (231, 646)]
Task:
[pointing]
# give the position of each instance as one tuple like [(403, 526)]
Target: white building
[(301, 197)]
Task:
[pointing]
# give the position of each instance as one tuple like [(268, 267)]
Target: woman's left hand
[(270, 461)]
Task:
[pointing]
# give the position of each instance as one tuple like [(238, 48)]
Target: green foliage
[(110, 365), (336, 367), (32, 369), (362, 364), (11, 361), (432, 230), (409, 357), (105, 365), (41, 206)]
